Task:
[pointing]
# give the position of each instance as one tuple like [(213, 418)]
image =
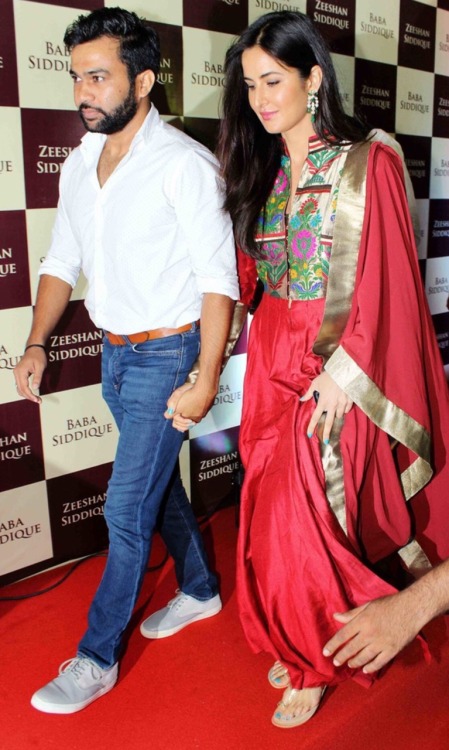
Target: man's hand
[(32, 364), (188, 405), (374, 633), (53, 296)]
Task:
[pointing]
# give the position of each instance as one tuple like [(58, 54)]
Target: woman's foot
[(297, 706), (278, 676)]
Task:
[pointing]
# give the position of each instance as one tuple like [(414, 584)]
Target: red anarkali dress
[(341, 290)]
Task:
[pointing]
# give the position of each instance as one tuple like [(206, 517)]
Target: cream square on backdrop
[(227, 408), (25, 535), (14, 329), (442, 43), (43, 62), (78, 431), (184, 466), (377, 29), (257, 8), (12, 178), (414, 102), (204, 54), (437, 284), (439, 170), (154, 10), (422, 207), (39, 227), (345, 70)]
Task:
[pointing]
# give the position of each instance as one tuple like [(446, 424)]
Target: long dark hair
[(250, 157), (139, 43)]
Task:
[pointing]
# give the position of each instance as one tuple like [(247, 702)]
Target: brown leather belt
[(156, 333)]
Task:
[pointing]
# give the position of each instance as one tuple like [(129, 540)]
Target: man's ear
[(144, 83)]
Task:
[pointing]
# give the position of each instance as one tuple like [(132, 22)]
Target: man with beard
[(140, 212)]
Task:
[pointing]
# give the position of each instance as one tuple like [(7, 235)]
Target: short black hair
[(139, 42)]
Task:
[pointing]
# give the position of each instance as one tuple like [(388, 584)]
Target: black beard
[(115, 120)]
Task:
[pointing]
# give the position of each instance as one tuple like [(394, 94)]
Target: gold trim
[(333, 470), (415, 559), (339, 293), (386, 415), (348, 375), (345, 250), (238, 321)]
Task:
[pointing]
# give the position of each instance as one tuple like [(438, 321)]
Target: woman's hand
[(187, 406), (179, 423), (332, 402)]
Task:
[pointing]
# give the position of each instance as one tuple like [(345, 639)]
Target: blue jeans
[(145, 490)]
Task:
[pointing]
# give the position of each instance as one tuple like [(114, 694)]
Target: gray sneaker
[(179, 612), (79, 683)]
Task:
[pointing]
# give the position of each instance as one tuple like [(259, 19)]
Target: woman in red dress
[(341, 426)]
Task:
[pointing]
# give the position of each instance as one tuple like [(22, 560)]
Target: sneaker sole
[(155, 634), (71, 708)]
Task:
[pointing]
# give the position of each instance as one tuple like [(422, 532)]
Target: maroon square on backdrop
[(15, 288), (74, 352), (336, 22), (438, 229), (48, 138), (417, 154), (76, 504), (9, 91), (226, 16), (21, 453), (167, 92), (417, 32), (375, 93)]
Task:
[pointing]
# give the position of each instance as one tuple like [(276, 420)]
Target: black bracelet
[(41, 346)]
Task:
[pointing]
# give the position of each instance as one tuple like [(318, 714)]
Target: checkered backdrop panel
[(393, 65)]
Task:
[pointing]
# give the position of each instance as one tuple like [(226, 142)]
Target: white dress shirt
[(153, 239)]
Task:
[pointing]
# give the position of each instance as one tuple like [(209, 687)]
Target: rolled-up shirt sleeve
[(198, 196), (63, 259)]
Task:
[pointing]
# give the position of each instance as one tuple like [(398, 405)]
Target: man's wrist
[(38, 346), (206, 387)]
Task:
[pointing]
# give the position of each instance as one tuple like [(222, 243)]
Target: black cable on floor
[(152, 569)]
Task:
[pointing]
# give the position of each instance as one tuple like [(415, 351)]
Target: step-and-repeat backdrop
[(392, 58)]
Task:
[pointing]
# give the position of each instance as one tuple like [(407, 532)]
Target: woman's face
[(276, 93)]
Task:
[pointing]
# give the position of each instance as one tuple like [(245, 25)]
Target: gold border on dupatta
[(345, 250), (332, 461), (386, 415), (340, 288), (363, 391)]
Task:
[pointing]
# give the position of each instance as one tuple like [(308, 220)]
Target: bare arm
[(237, 324), (52, 298), (375, 633), (195, 402)]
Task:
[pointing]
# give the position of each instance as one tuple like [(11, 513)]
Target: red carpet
[(202, 688)]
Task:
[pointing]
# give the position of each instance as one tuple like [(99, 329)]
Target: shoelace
[(178, 600), (78, 665)]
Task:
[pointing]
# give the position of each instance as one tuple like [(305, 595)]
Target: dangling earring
[(312, 104)]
